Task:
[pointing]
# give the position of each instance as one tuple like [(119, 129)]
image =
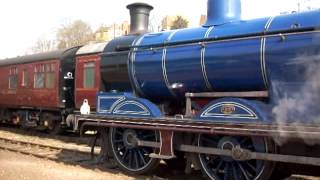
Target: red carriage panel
[(87, 79), (30, 84)]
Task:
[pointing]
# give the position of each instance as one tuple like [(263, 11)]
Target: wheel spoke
[(219, 166), (251, 167), (121, 147), (125, 154), (136, 160), (226, 172), (118, 141), (210, 161), (243, 171), (141, 157), (130, 158), (235, 173), (146, 153), (118, 132)]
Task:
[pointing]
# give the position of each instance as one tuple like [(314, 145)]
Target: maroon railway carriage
[(37, 90)]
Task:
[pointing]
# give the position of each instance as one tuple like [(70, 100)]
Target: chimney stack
[(222, 12), (139, 15)]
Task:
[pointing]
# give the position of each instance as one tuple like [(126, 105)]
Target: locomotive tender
[(225, 94)]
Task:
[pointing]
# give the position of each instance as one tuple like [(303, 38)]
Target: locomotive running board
[(258, 129), (247, 94)]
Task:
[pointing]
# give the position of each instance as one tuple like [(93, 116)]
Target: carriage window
[(50, 75), (13, 78), (25, 78), (39, 76), (89, 75)]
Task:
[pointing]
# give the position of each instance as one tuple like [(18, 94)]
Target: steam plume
[(299, 105)]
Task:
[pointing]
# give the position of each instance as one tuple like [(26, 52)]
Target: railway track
[(67, 137), (70, 150), (68, 153), (56, 153)]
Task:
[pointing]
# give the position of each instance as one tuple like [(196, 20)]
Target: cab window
[(89, 75)]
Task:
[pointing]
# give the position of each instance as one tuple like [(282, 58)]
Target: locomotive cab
[(115, 65), (87, 81)]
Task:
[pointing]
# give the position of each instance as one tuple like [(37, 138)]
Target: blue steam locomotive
[(234, 96)]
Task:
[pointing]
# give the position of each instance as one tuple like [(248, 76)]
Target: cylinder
[(139, 15), (222, 11)]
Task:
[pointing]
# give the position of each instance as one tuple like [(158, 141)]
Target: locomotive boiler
[(225, 54)]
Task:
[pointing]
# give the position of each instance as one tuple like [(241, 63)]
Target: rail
[(61, 154)]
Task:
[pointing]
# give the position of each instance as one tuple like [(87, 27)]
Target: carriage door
[(87, 79)]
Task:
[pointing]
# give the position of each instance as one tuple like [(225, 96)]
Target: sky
[(23, 22)]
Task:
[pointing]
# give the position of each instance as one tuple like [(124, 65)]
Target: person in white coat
[(85, 107)]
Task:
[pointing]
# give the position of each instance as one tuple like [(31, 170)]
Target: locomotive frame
[(168, 127), (180, 134)]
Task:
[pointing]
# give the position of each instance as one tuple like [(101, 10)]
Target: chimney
[(139, 15), (222, 12)]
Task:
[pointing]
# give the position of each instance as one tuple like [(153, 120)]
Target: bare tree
[(306, 5), (74, 34), (154, 23), (43, 45), (179, 23)]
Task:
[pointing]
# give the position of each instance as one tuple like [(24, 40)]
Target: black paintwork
[(114, 66), (66, 85), (139, 15)]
